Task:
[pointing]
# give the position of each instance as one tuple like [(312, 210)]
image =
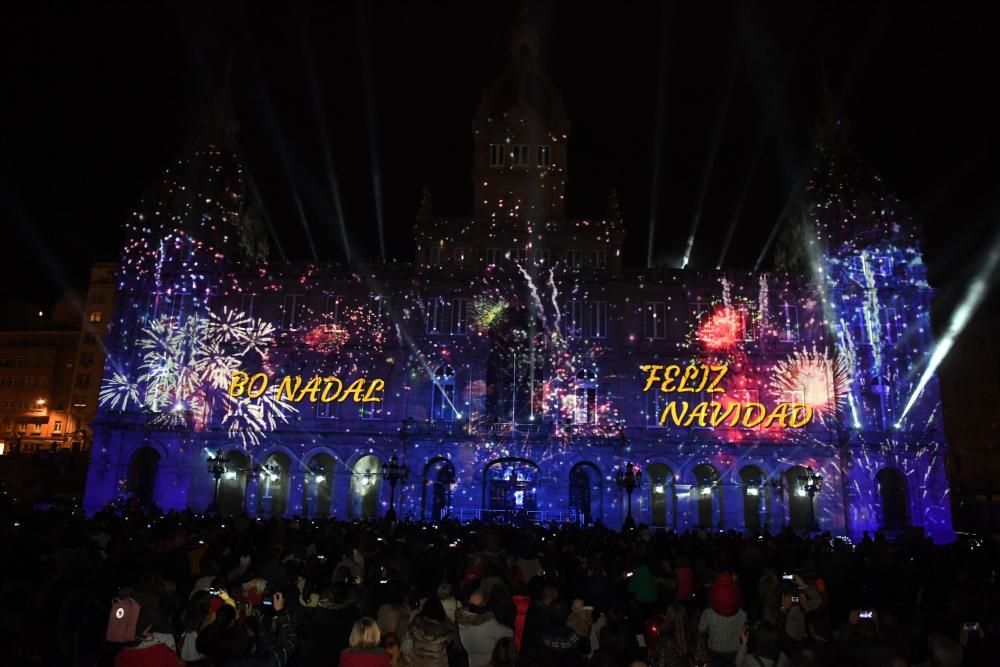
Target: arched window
[(439, 480), (142, 470), (585, 397), (365, 483), (585, 492), (443, 400), (662, 501), (707, 490), (755, 490)]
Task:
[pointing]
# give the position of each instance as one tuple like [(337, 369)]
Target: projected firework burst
[(822, 382)]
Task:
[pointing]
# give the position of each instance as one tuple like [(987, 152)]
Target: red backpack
[(122, 620)]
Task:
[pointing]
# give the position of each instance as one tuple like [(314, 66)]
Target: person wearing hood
[(430, 634), (154, 646), (724, 619), (327, 627), (479, 630)]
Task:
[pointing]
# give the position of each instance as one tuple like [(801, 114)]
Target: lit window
[(519, 155), (443, 399), (292, 311), (57, 427), (95, 316), (543, 156), (585, 398), (497, 152), (655, 320)]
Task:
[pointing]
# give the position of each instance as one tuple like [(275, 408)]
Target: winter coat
[(685, 583), (725, 596), (325, 631), (480, 631), (377, 657), (430, 642), (157, 650), (643, 586), (522, 603)]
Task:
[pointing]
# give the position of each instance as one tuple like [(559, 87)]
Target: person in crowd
[(327, 627), (504, 653), (678, 643), (154, 647), (479, 630), (364, 646), (766, 650), (724, 619), (447, 597), (431, 633)]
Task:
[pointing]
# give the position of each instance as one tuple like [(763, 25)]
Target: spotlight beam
[(959, 319), (366, 70), (741, 201), (661, 103)]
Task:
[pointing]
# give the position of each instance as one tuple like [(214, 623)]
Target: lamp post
[(393, 472), (628, 478), (216, 468), (811, 483), (778, 486)]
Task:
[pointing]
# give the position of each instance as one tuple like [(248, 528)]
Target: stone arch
[(662, 495), (586, 491), (438, 482), (894, 499)]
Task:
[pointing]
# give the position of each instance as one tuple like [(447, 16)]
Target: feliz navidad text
[(698, 378), (319, 389)]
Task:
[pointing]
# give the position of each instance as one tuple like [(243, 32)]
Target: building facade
[(513, 359)]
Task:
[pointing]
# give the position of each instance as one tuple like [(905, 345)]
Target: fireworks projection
[(511, 350), (185, 370), (821, 382)]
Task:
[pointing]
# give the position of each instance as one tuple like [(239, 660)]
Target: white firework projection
[(815, 378), (186, 369)]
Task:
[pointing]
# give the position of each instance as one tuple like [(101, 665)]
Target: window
[(519, 155), (95, 316), (599, 259), (890, 325), (443, 398), (83, 380), (86, 359), (517, 254), (435, 255), (655, 320), (574, 258), (497, 152), (749, 324), (598, 319), (698, 309), (880, 265), (89, 338), (325, 410), (435, 316), (292, 311), (459, 317), (371, 410), (573, 319), (42, 382), (332, 309), (493, 256), (57, 427), (460, 256), (543, 156), (585, 398), (29, 381), (247, 304), (36, 428), (788, 321)]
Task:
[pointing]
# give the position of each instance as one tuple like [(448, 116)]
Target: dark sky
[(99, 97)]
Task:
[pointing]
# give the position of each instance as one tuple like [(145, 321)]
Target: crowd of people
[(130, 587)]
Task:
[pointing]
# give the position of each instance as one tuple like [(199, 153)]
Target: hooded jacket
[(522, 603), (154, 650), (479, 631), (430, 642)]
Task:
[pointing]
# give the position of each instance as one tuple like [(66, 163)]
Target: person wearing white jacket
[(479, 630)]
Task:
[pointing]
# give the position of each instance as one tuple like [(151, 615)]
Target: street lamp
[(393, 472), (216, 468), (628, 478), (811, 483)]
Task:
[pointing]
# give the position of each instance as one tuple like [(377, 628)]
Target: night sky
[(98, 98)]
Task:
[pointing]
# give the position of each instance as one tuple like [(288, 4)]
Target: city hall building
[(521, 371)]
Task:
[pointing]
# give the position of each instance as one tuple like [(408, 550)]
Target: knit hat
[(725, 596)]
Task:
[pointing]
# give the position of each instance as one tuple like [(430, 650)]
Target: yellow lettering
[(285, 388), (779, 414), (651, 377), (753, 423), (312, 388), (326, 398), (700, 411), (356, 389), (704, 379), (804, 409), (669, 376), (376, 385), (715, 419), (670, 411), (690, 373), (721, 370), (238, 384), (255, 393)]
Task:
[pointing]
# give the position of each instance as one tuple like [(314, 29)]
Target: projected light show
[(522, 365)]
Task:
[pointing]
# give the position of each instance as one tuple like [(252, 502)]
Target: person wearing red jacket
[(522, 603)]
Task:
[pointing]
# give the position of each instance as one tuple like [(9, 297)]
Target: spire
[(524, 35)]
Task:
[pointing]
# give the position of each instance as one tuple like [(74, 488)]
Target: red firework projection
[(723, 329), (326, 338)]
